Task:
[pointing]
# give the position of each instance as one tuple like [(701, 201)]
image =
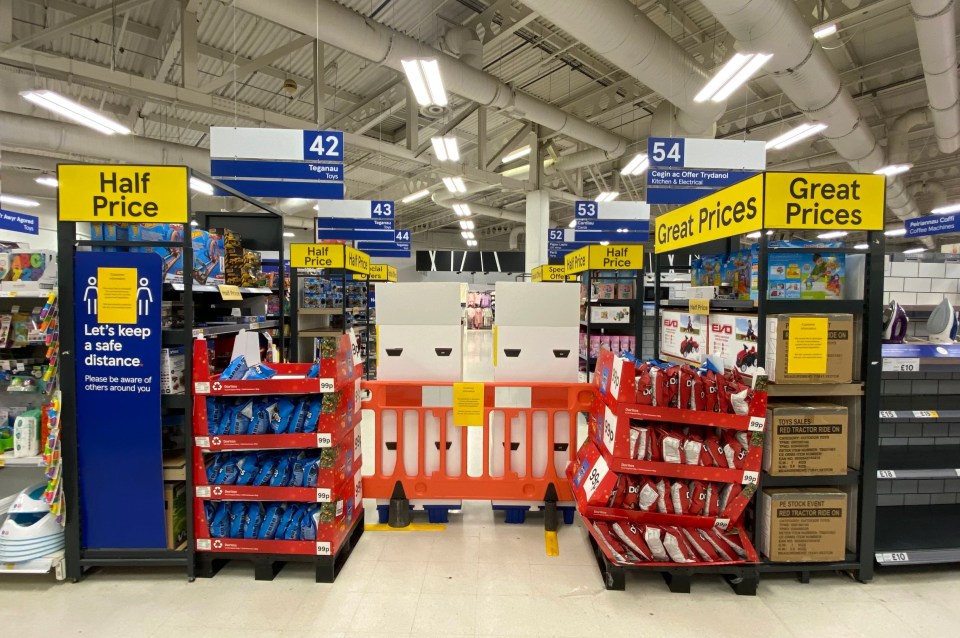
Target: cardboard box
[(840, 339), (172, 370), (803, 525), (806, 439), (804, 275), (207, 258), (734, 338), (528, 353), (175, 513), (610, 314), (683, 336), (625, 291), (420, 353)]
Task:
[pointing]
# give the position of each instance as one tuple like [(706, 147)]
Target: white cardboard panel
[(419, 304), (541, 304), (527, 353), (410, 353)]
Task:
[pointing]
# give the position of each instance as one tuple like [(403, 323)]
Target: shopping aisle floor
[(479, 577)]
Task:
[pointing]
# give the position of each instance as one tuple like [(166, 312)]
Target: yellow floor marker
[(412, 527), (552, 543)]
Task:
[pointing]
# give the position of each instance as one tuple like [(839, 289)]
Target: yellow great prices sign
[(735, 210), (121, 193), (329, 256), (824, 201), (618, 257)]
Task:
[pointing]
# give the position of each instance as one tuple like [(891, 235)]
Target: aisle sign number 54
[(665, 151), (323, 145)]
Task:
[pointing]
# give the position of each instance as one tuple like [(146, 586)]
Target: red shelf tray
[(679, 470), (745, 422), (215, 443)]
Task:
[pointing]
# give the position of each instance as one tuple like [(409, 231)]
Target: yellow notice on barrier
[(230, 293), (604, 258), (807, 345), (834, 201), (736, 210), (122, 193), (116, 295), (468, 404), (699, 306)]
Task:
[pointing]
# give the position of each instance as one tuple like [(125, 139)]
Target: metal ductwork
[(447, 199), (465, 44), (621, 33), (936, 34), (346, 29), (899, 131), (933, 190), (515, 237), (805, 75)]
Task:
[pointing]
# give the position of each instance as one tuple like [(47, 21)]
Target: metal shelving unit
[(632, 328)]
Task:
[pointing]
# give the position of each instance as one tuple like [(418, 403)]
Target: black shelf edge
[(177, 336), (918, 534), (130, 244), (814, 306), (173, 401), (773, 567), (931, 413), (715, 304), (134, 557), (850, 478), (918, 461), (606, 325)]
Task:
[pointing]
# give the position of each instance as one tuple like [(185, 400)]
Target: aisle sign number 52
[(323, 145)]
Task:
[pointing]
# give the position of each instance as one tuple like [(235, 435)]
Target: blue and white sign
[(383, 253), (19, 222), (620, 236), (398, 246), (354, 234), (118, 298), (355, 209), (633, 216), (264, 162), (932, 225), (669, 180), (357, 224)]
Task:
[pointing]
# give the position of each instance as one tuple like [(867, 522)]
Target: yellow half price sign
[(468, 404), (122, 193), (699, 306), (604, 258), (807, 345), (230, 293)]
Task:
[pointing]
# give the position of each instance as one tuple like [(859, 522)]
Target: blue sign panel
[(118, 306), (612, 236), (324, 171), (353, 234), (381, 209), (675, 195), (267, 188), (665, 151), (19, 222), (932, 225), (383, 253), (557, 249), (695, 177), (353, 223), (323, 145), (642, 226)]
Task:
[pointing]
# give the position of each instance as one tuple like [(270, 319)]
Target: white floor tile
[(446, 615), (451, 578)]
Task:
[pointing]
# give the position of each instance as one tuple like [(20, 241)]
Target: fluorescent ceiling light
[(517, 154), (861, 246), (13, 200), (454, 184), (471, 242), (200, 186), (833, 234), (47, 180), (607, 196), (604, 243), (466, 224), (755, 235), (895, 232), (73, 111), (288, 234), (794, 135), (516, 170), (824, 31), (914, 250), (734, 73), (572, 224), (943, 210), (424, 78), (462, 210), (445, 149), (412, 197), (893, 169), (466, 234), (637, 165)]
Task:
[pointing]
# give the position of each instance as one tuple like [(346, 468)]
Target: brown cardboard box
[(840, 338), (803, 525), (174, 466), (807, 439), (175, 512)]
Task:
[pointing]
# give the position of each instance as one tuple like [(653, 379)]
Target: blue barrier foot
[(437, 513)]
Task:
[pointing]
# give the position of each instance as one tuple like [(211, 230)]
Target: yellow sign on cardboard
[(699, 306), (468, 404), (611, 257), (116, 295), (736, 210), (807, 345), (230, 293), (834, 201), (122, 193)]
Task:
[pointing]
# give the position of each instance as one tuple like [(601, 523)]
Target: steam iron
[(942, 323), (894, 323)]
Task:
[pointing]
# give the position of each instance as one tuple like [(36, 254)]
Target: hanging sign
[(397, 245), (624, 216), (684, 170), (824, 201), (604, 258), (549, 272), (382, 272), (122, 193), (933, 225), (19, 222), (329, 256), (349, 219), (117, 362)]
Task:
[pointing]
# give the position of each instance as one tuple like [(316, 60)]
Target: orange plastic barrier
[(416, 442)]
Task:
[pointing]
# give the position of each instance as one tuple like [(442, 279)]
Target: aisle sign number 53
[(323, 145)]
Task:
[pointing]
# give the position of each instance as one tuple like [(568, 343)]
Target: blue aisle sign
[(118, 299), (932, 225), (354, 234), (19, 222), (397, 246), (355, 220), (611, 216), (263, 162), (355, 224), (673, 177)]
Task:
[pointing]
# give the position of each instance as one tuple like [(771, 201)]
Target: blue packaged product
[(229, 414), (300, 413), (311, 471), (283, 471), (236, 369), (314, 370), (292, 533), (213, 469), (241, 424), (220, 522), (281, 420), (299, 471), (214, 414), (247, 469), (289, 510), (817, 275), (308, 525), (266, 472), (237, 511), (260, 371), (264, 413), (228, 473), (172, 256), (271, 521), (252, 520), (313, 416)]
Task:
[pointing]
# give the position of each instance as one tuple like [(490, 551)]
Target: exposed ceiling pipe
[(818, 161), (936, 33), (447, 199), (515, 237), (13, 160), (465, 44), (898, 133), (933, 190), (346, 29), (805, 75), (621, 33)]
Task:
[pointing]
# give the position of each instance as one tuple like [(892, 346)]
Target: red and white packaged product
[(710, 389), (634, 441), (711, 501), (616, 548), (644, 385), (640, 448), (733, 450), (680, 497), (734, 544), (740, 402), (698, 497), (712, 538), (714, 448), (631, 493), (652, 535), (728, 493), (673, 387), (654, 453), (633, 539), (698, 396), (619, 492), (676, 546), (700, 546), (670, 446), (723, 396), (692, 449), (687, 380), (647, 495), (664, 498)]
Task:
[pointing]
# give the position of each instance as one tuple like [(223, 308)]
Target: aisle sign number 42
[(323, 145)]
